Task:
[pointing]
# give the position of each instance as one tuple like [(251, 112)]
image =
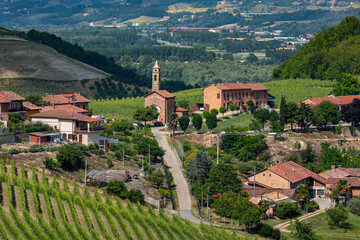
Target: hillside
[(331, 53), (37, 206), (20, 58)]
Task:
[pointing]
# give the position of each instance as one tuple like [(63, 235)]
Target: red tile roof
[(66, 106), (293, 172), (180, 109), (162, 93), (240, 86), (341, 173), (65, 98), (353, 181), (339, 100), (30, 106), (60, 114), (9, 96)]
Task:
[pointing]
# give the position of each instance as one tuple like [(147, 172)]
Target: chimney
[(293, 169), (332, 166)]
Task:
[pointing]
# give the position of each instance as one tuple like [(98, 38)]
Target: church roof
[(156, 64), (162, 93)]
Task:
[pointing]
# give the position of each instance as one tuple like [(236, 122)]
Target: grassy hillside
[(294, 90), (25, 59), (37, 206)]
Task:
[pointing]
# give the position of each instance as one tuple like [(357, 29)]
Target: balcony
[(89, 129)]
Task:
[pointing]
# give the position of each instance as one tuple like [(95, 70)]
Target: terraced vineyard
[(36, 206)]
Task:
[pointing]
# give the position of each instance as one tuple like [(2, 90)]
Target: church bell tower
[(156, 77)]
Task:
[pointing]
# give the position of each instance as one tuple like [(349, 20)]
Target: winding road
[(182, 187)]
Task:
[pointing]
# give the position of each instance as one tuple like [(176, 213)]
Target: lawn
[(321, 228)]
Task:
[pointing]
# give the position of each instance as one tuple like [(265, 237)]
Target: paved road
[(182, 188)]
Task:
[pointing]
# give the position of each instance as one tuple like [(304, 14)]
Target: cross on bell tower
[(156, 77)]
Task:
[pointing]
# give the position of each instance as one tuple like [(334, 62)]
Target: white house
[(72, 125)]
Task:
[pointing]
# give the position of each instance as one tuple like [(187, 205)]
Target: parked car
[(158, 124), (138, 124)]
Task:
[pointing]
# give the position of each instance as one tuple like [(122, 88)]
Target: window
[(243, 94), (83, 106), (320, 192), (155, 77), (264, 174), (270, 175), (247, 94), (224, 96), (218, 96), (228, 96)]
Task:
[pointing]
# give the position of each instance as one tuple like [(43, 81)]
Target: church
[(163, 100)]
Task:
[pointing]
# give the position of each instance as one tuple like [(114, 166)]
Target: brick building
[(222, 94), (75, 99), (289, 175), (163, 100), (11, 102)]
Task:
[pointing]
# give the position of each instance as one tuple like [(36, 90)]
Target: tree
[(302, 193), (211, 121), (184, 123), (37, 100), (50, 163), (251, 106), (222, 110), (308, 154), (121, 125), (173, 121), (276, 126), (205, 114), (251, 218), (262, 115), (283, 111), (264, 205), (135, 195), (286, 210), (347, 85), (214, 111), (328, 112), (303, 231), (255, 125), (237, 108), (351, 113), (183, 103), (354, 206), (144, 114), (142, 147), (197, 121), (117, 188), (251, 58), (232, 107), (224, 178), (304, 116), (198, 169), (338, 130), (156, 178), (291, 113), (70, 156), (337, 216), (342, 187)]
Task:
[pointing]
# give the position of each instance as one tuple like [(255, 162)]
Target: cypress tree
[(283, 111)]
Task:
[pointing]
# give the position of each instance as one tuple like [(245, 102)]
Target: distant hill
[(333, 51), (20, 58)]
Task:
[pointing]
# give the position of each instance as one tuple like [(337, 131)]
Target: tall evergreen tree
[(283, 111)]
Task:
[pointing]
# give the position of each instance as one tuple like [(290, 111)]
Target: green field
[(34, 205), (321, 228), (294, 90)]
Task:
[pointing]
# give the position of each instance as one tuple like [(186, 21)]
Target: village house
[(223, 94), (75, 99), (338, 100), (72, 125), (11, 103), (289, 175), (163, 100), (352, 175)]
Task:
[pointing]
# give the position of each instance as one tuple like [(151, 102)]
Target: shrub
[(312, 206), (337, 216), (50, 163), (211, 121), (117, 188), (205, 114), (354, 206), (135, 195), (71, 156), (214, 111), (265, 230), (156, 178), (286, 210), (110, 162)]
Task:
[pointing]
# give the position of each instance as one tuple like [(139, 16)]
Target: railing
[(90, 129)]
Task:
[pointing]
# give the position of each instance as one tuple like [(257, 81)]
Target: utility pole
[(254, 181), (202, 202), (217, 152), (182, 152), (85, 170), (208, 204)]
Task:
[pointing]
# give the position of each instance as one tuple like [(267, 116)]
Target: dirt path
[(283, 226), (182, 188)]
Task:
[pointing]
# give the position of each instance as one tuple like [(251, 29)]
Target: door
[(80, 138)]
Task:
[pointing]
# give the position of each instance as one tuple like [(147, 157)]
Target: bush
[(211, 121), (205, 114), (50, 163), (117, 188), (71, 156), (135, 195), (337, 216), (265, 230), (312, 206), (14, 151), (354, 206), (286, 210), (214, 111)]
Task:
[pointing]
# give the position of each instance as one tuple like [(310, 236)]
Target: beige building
[(73, 126), (163, 100), (222, 94)]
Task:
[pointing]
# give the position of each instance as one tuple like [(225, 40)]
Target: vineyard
[(124, 108), (37, 206)]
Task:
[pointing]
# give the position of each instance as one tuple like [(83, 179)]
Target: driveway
[(182, 187)]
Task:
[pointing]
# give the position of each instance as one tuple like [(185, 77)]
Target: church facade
[(163, 100)]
